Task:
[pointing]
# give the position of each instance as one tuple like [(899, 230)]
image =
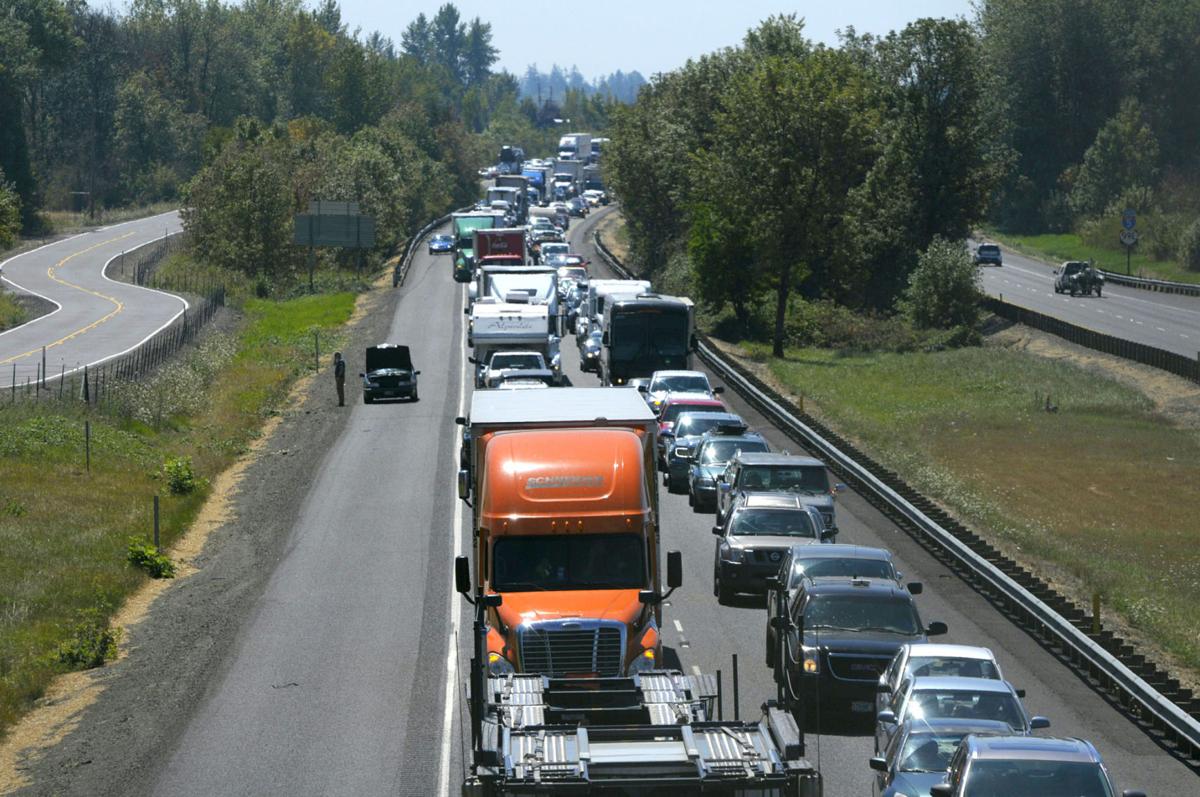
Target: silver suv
[(759, 531)]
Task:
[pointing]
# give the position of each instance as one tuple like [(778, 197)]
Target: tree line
[(784, 166), (244, 111)]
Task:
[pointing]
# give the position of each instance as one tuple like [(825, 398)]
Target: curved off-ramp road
[(95, 317)]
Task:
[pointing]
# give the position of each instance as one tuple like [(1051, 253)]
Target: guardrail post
[(1096, 613)]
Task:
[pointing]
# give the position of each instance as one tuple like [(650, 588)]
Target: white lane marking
[(452, 641), (696, 669), (1182, 335), (1160, 329), (104, 273), (678, 626)]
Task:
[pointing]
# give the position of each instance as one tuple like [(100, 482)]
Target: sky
[(602, 36)]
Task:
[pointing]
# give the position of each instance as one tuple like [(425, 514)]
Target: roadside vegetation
[(970, 428), (73, 542), (11, 312), (1054, 248)]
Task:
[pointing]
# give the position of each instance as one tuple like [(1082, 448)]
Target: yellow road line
[(50, 273)]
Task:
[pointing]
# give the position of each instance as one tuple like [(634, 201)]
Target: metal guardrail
[(1145, 283), (400, 272), (995, 576), (1169, 361)]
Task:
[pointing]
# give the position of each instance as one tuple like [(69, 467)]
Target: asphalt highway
[(96, 318), (348, 678), (1164, 320)]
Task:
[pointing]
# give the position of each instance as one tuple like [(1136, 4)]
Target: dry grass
[(1104, 489), (64, 530)]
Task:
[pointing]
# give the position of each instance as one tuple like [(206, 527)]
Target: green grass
[(11, 312), (62, 221), (1056, 248), (1102, 489), (64, 531)]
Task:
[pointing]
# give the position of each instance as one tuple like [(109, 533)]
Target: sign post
[(333, 224), (1129, 236)]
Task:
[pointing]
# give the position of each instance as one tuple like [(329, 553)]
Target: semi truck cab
[(565, 504)]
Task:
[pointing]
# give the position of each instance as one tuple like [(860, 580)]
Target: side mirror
[(604, 338), (466, 311), (886, 717), (472, 361), (717, 531), (462, 575), (941, 790), (936, 629), (839, 488), (460, 420), (828, 534), (464, 484), (915, 587), (361, 375), (1038, 723), (674, 569), (878, 763), (1021, 693), (718, 390), (416, 373), (643, 388)]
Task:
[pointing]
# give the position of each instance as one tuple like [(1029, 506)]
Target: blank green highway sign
[(353, 231)]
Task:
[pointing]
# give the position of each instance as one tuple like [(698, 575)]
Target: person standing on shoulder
[(339, 377)]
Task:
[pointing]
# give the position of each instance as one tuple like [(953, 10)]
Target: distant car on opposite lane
[(988, 255)]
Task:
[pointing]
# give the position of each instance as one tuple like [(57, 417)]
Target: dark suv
[(842, 635), (709, 459), (988, 255), (389, 373), (760, 530), (777, 473)]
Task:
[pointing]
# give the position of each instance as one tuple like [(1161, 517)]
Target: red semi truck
[(501, 247)]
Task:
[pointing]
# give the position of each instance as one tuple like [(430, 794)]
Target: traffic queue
[(568, 582)]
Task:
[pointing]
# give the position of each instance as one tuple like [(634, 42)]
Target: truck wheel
[(368, 399), (1098, 289), (770, 652), (691, 499), (414, 396)]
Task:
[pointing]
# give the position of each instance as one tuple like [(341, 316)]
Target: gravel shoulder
[(105, 732)]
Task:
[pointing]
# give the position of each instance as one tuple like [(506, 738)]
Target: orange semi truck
[(564, 495)]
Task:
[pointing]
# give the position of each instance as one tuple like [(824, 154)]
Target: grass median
[(1099, 487), (65, 530), (1058, 247)]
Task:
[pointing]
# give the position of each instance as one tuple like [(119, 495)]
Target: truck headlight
[(499, 666), (682, 452), (645, 661), (734, 555)]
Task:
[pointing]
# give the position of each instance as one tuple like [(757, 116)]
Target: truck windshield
[(568, 561), (862, 613), (649, 333)]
